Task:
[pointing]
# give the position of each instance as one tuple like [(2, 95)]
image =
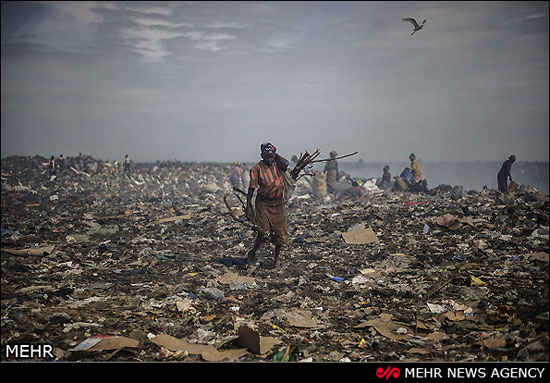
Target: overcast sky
[(211, 81)]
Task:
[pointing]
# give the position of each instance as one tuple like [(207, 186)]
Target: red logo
[(388, 372)]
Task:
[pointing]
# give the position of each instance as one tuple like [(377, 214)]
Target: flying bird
[(415, 25)]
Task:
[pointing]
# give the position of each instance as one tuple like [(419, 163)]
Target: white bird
[(415, 25)]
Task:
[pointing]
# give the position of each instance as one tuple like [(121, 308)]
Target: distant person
[(80, 162), (331, 169), (245, 179), (127, 165), (415, 168), (236, 175), (504, 174), (52, 166), (61, 163), (353, 192), (267, 177), (386, 178)]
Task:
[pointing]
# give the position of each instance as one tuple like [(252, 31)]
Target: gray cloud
[(210, 81)]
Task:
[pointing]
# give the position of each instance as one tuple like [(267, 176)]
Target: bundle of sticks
[(304, 160), (309, 159)]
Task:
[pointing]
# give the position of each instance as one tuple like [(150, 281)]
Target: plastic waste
[(337, 279)]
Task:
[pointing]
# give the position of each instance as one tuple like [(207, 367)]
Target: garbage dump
[(151, 266)]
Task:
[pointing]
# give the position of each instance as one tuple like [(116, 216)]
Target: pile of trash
[(150, 266)]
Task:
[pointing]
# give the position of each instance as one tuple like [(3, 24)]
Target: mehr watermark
[(29, 351)]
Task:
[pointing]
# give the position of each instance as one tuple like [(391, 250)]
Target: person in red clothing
[(353, 192), (267, 177), (385, 182)]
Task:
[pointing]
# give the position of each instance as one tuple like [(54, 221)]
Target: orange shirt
[(268, 178)]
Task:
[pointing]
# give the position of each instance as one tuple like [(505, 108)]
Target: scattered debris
[(155, 261)]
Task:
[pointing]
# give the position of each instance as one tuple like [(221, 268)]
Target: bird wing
[(412, 21)]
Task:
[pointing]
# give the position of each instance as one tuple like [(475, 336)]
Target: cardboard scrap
[(254, 342), (298, 318), (172, 219), (368, 270), (358, 235), (39, 251), (437, 335), (444, 220), (475, 281), (227, 278), (452, 222), (423, 326), (175, 344), (495, 342), (207, 352), (387, 329), (455, 316), (540, 256), (214, 355), (102, 343)]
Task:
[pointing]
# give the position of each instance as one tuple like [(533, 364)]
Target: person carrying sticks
[(270, 214), (275, 183)]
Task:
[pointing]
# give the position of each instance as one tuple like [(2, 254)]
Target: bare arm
[(248, 210)]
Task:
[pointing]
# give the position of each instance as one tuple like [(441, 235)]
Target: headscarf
[(412, 157), (267, 147), (512, 157)]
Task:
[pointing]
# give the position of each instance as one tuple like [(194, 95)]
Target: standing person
[(504, 174), (267, 176), (245, 178), (52, 166), (387, 175), (236, 175), (127, 164), (61, 163), (79, 162), (331, 168), (415, 168), (386, 178)]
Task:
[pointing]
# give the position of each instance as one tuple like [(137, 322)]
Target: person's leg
[(277, 261), (263, 230), (502, 187), (251, 259)]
